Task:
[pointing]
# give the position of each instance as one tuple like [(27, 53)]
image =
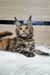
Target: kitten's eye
[(20, 28), (26, 27)]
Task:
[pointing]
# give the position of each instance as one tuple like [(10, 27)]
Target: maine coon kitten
[(24, 42), (25, 32)]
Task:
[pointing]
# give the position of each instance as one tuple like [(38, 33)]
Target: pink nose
[(23, 30)]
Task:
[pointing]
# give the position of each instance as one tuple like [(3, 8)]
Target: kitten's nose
[(23, 31)]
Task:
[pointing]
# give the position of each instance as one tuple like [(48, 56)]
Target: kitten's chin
[(24, 35)]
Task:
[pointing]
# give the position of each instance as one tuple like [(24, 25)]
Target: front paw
[(28, 54)]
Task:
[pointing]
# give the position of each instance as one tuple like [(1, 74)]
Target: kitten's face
[(24, 30)]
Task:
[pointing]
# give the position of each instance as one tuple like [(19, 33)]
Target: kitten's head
[(24, 30)]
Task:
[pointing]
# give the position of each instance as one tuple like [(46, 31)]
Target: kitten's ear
[(17, 22), (29, 22)]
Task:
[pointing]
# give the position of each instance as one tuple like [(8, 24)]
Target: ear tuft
[(15, 18), (29, 22), (17, 22), (30, 17)]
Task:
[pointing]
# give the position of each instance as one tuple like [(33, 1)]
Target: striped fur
[(5, 33)]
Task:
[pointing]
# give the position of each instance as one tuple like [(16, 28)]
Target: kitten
[(25, 32), (24, 42)]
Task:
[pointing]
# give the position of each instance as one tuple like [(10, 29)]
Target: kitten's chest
[(29, 42)]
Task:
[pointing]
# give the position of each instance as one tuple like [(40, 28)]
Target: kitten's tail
[(41, 52), (5, 33)]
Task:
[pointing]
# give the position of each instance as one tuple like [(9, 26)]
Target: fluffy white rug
[(17, 64)]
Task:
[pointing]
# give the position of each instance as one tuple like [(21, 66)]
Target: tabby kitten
[(25, 32), (23, 42)]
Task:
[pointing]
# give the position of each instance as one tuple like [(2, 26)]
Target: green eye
[(26, 27), (20, 28)]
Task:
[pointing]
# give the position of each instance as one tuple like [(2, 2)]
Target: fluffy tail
[(6, 33), (41, 52)]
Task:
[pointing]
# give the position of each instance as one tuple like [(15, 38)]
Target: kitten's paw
[(31, 54), (28, 54)]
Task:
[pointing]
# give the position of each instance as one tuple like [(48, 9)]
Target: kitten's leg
[(27, 53), (32, 48), (23, 50), (41, 52)]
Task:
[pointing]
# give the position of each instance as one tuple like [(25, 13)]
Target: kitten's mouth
[(23, 35)]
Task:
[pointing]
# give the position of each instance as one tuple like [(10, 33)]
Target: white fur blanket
[(17, 64)]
